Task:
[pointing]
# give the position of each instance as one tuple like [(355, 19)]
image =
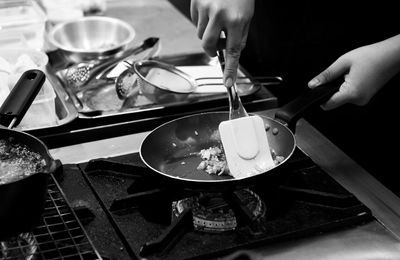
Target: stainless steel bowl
[(92, 37)]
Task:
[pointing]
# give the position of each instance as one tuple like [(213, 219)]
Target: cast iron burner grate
[(59, 235), (139, 206), (212, 213)]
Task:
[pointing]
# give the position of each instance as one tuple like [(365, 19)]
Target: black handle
[(295, 109), (21, 97)]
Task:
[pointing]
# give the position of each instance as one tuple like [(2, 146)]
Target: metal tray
[(76, 125), (101, 100)]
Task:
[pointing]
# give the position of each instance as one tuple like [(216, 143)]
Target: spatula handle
[(236, 108)]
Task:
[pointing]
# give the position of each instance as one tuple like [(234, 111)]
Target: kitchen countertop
[(379, 239)]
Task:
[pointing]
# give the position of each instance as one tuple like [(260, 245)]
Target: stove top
[(130, 214)]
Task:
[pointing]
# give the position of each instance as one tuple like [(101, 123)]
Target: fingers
[(211, 37), (233, 17), (199, 17), (339, 98), (208, 29), (335, 70), (202, 25), (232, 55), (234, 45), (236, 41), (194, 15)]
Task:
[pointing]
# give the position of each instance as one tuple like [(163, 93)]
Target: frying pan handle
[(21, 97), (295, 109)]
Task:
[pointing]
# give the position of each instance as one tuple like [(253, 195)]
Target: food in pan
[(18, 161), (214, 160), (277, 158)]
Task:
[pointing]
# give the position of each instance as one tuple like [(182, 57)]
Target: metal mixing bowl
[(92, 37)]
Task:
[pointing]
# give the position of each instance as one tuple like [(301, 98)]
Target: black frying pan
[(170, 149), (22, 201)]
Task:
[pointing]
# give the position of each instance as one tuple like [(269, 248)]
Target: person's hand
[(366, 70), (233, 17)]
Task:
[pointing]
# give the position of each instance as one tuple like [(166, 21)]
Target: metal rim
[(157, 64)]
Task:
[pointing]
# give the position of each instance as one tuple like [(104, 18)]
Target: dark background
[(298, 39)]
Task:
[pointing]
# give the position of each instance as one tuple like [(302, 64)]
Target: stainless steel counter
[(378, 239)]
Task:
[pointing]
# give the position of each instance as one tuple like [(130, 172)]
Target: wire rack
[(60, 235)]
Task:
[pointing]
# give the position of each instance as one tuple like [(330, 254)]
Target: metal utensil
[(82, 73), (125, 83), (161, 82), (127, 79)]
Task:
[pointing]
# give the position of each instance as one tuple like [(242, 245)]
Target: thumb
[(334, 71)]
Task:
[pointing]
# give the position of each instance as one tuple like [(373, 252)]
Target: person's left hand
[(366, 70), (232, 17)]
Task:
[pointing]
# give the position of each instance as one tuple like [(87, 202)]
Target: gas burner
[(213, 213), (21, 245)]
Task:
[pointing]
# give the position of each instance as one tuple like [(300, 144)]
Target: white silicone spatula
[(243, 137)]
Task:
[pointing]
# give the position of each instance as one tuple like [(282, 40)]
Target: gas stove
[(131, 214)]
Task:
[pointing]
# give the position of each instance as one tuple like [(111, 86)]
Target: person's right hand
[(366, 70), (233, 17)]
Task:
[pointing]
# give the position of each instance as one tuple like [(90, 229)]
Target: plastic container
[(24, 18), (42, 112)]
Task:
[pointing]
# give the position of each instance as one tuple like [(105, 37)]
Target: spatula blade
[(246, 146)]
